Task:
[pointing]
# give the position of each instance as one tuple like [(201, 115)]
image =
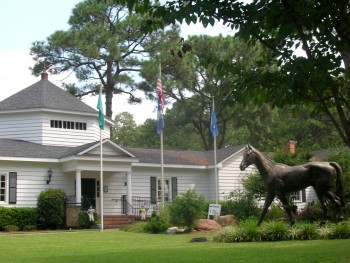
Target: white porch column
[(129, 192), (78, 186)]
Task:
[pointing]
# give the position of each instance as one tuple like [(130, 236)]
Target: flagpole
[(215, 132), (101, 124), (101, 179), (216, 173), (160, 126), (161, 149), (161, 165)]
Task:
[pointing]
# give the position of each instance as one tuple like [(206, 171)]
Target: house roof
[(44, 94), (180, 157), (25, 149)]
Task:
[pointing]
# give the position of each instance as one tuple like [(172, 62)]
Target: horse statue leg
[(337, 202), (268, 201), (287, 208), (323, 202)]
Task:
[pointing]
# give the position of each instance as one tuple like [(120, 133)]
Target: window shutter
[(303, 195), (173, 188), (153, 190), (13, 188)]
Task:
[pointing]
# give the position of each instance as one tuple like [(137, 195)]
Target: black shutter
[(173, 188), (303, 195), (13, 188), (153, 190)]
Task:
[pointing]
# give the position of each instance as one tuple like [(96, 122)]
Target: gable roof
[(44, 94), (180, 157), (24, 149)]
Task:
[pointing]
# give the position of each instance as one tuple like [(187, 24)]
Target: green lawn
[(119, 246)]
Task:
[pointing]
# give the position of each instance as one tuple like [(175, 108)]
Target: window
[(70, 125), (170, 189), (2, 188), (8, 188), (298, 196), (295, 196), (166, 190)]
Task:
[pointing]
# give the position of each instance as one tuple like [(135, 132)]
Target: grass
[(120, 246)]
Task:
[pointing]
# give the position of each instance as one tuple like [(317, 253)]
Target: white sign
[(214, 210)]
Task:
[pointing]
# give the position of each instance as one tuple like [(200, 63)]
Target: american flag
[(161, 102)]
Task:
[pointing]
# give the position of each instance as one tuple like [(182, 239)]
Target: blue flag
[(213, 123), (101, 116), (161, 102)]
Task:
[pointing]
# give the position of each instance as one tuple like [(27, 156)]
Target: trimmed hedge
[(21, 217)]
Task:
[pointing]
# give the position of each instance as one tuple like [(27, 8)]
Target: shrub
[(11, 228), (18, 216), (186, 209), (307, 231), (156, 225), (340, 231), (25, 216), (51, 208), (83, 220), (250, 230), (229, 234), (275, 212), (241, 204), (277, 231), (29, 228), (310, 213), (6, 217), (274, 231)]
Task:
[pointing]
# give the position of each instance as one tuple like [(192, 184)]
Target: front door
[(88, 192)]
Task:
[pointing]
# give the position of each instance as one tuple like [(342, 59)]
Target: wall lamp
[(49, 174)]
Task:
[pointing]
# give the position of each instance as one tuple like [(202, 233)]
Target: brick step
[(113, 222)]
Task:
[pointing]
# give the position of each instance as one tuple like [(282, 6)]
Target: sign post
[(214, 210)]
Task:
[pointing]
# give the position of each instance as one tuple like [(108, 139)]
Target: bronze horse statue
[(281, 179)]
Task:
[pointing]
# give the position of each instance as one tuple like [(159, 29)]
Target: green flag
[(101, 116)]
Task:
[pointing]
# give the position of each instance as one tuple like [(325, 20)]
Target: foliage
[(340, 231), (342, 157), (51, 208), (124, 130), (241, 204), (310, 213), (156, 225), (275, 212), (251, 231), (105, 45), (194, 81), (274, 231), (186, 209), (305, 231), (317, 29), (247, 231), (22, 217), (138, 227), (11, 228), (83, 220), (254, 185)]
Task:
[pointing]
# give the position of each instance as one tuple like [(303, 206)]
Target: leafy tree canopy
[(105, 45), (318, 76)]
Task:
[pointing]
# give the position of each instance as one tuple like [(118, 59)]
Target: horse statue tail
[(339, 182)]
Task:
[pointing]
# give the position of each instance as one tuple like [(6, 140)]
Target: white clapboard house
[(50, 139)]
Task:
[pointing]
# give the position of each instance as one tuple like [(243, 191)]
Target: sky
[(24, 21)]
